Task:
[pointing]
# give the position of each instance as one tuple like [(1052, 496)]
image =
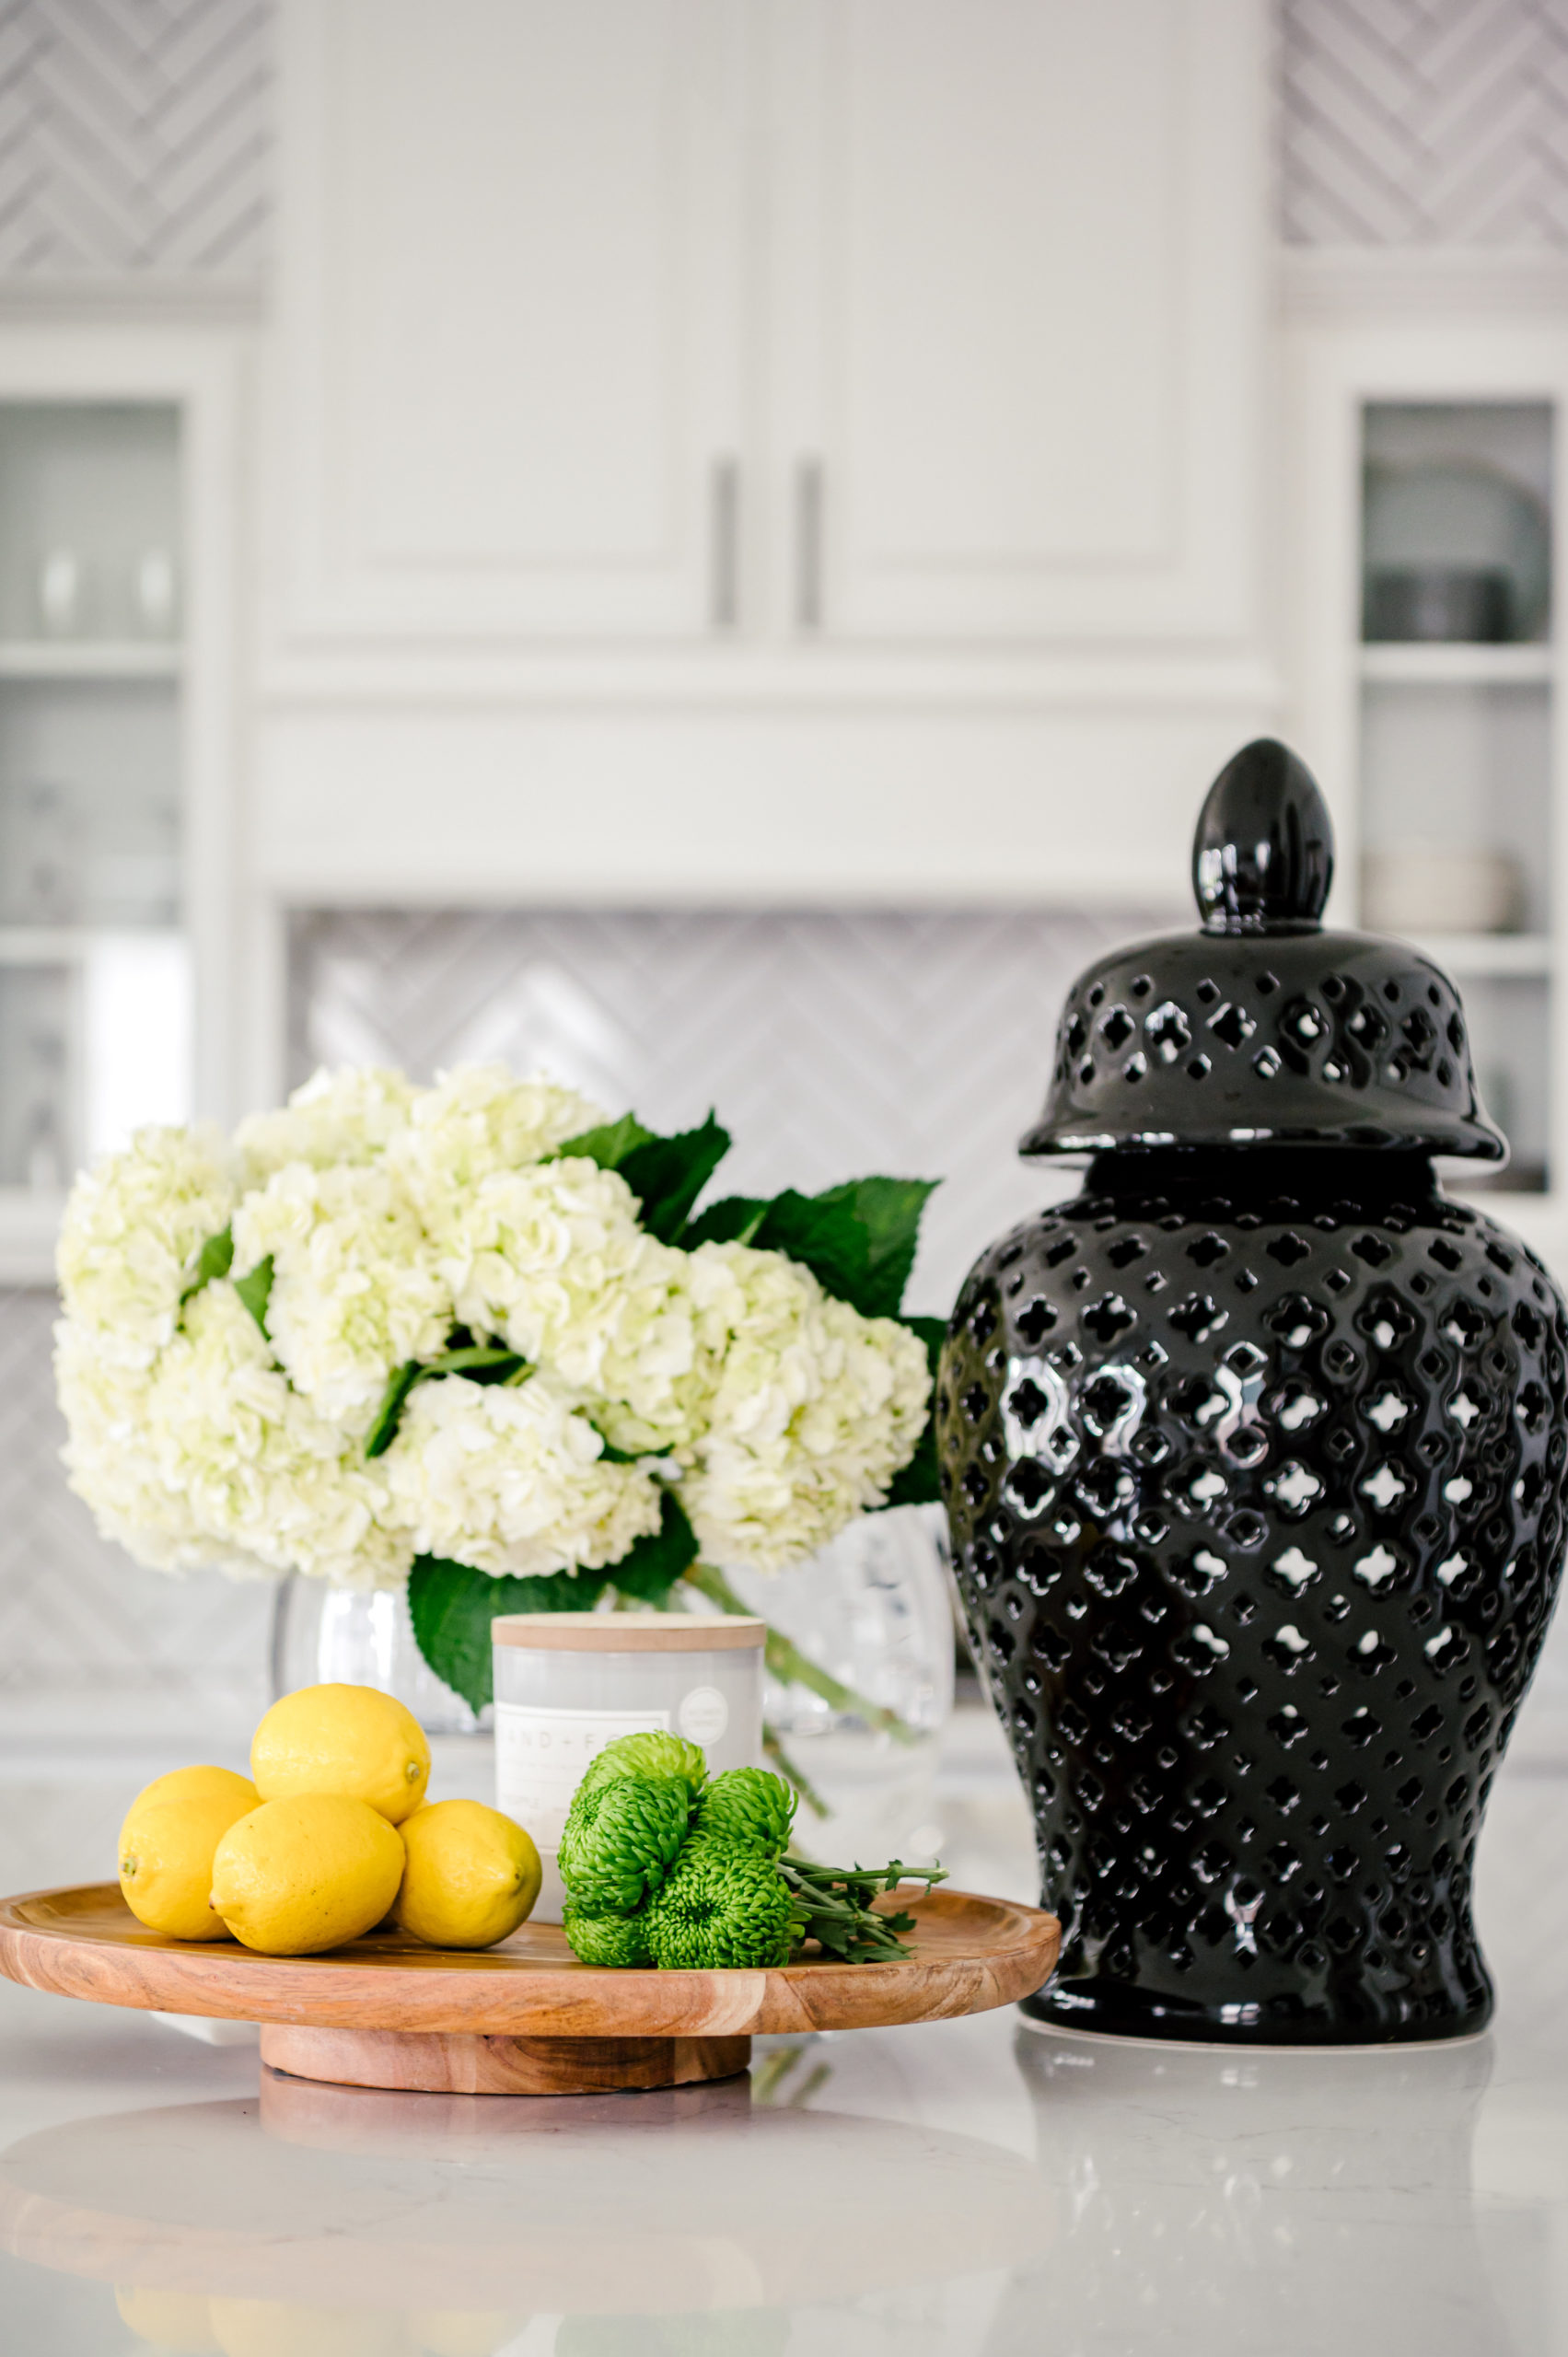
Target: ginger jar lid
[(1261, 1028)]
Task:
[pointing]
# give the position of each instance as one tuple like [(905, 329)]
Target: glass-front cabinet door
[(95, 968), (1456, 666)]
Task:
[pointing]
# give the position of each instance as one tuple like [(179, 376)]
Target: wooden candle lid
[(627, 1633)]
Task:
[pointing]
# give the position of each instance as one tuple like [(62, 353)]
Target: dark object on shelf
[(1254, 1460), (1448, 603)]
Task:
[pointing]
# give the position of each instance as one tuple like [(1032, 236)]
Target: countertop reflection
[(976, 2188)]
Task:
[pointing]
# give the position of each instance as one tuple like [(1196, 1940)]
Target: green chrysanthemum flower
[(748, 1805), (614, 1940), (724, 1904), (621, 1838), (653, 1754)]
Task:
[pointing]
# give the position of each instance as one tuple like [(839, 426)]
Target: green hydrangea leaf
[(214, 1259), (931, 1333), (650, 1568), (480, 1361), (255, 1290), (918, 1482), (610, 1144), (452, 1606), (824, 1236), (666, 1174), (734, 1219), (383, 1431), (857, 1240)]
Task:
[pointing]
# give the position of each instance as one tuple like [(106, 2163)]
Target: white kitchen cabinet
[(1457, 746), (510, 338), (770, 322), (117, 751), (1017, 329)]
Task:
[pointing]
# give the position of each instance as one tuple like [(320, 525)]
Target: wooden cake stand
[(525, 2017)]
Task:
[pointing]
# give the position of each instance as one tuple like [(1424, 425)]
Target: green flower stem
[(832, 1905), (773, 1749), (791, 1667)]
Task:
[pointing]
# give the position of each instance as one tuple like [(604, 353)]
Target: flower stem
[(792, 1667), (773, 1749)]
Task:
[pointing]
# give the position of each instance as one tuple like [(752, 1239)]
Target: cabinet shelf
[(1456, 665), (87, 658), (67, 945), (1475, 955)]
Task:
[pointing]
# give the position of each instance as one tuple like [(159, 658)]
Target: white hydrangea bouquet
[(477, 1338)]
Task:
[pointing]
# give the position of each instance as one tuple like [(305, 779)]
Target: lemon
[(461, 2332), (284, 2328), (307, 1873), (349, 1739), (165, 1848), (179, 2322), (471, 1877)]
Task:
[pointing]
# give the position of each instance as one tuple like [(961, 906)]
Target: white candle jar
[(568, 1683)]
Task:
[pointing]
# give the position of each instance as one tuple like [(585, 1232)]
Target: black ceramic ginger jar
[(1254, 1457)]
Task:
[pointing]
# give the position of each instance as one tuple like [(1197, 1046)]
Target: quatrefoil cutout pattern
[(1259, 1626), (1377, 1030)]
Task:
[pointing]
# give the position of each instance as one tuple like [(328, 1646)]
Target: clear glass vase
[(874, 1609), (325, 1635)]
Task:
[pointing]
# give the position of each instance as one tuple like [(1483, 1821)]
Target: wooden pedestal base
[(434, 2063)]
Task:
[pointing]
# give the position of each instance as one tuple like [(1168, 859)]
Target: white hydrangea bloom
[(109, 1465), (554, 1258), (507, 1478), (262, 1474), (478, 1120), (355, 1287), (814, 1411), (347, 1116), (133, 1235)]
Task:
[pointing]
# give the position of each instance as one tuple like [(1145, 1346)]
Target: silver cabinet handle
[(809, 544), (724, 547)]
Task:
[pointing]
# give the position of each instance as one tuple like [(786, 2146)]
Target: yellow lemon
[(305, 1873), (349, 1739), (461, 2332), (179, 2322), (471, 1877), (284, 2328), (165, 1848)]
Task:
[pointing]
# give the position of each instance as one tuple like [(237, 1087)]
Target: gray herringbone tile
[(132, 135), (1424, 121)]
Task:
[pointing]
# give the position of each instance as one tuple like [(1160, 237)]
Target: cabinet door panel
[(1036, 232), (511, 306)]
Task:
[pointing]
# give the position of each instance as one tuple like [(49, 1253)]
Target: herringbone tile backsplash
[(132, 137), (1420, 122)]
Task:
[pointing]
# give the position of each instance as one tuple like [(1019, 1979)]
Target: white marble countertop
[(974, 2189)]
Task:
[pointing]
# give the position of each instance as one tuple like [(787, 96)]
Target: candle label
[(540, 1756)]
